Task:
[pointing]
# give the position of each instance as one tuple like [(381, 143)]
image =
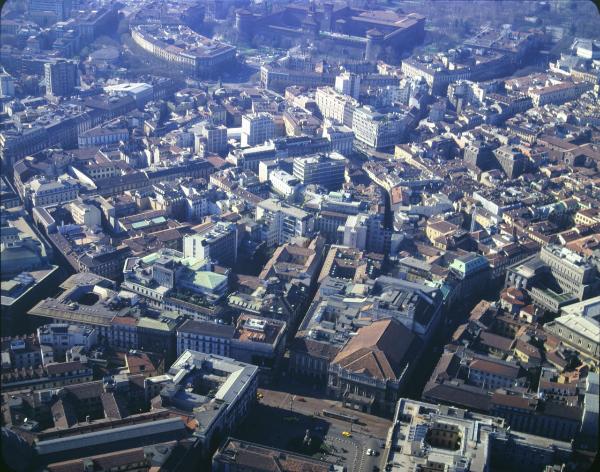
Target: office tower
[(7, 84), (348, 84), (512, 161), (257, 128), (61, 78), (320, 169), (218, 244)]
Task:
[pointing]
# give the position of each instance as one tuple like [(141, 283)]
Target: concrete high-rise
[(257, 128), (7, 84), (212, 139), (61, 8), (61, 78), (218, 243), (348, 84), (512, 161), (323, 170)]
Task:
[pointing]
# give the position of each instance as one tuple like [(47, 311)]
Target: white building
[(587, 48), (140, 91), (341, 138), (7, 84), (257, 128), (558, 93), (378, 130), (184, 387), (429, 437), (212, 139), (198, 205), (63, 336), (281, 221), (85, 214), (335, 105), (265, 168), (320, 169), (218, 244), (355, 232), (589, 418), (348, 84), (183, 48), (283, 183), (47, 192)]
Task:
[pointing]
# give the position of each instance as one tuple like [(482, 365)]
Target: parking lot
[(282, 418)]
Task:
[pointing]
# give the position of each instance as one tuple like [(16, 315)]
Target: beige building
[(85, 214)]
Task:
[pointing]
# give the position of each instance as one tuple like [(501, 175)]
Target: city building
[(257, 128), (282, 221), (61, 78), (573, 273), (328, 171), (237, 456), (364, 33), (579, 328), (168, 273), (365, 232), (555, 278), (119, 322), (27, 274), (283, 183), (252, 339), (52, 375), (336, 106), (219, 243), (557, 93), (378, 130), (512, 161), (213, 139), (369, 373), (348, 84), (61, 9), (42, 191), (181, 47), (85, 214), (426, 436), (298, 259), (341, 138), (201, 197), (221, 393), (7, 84), (63, 336)]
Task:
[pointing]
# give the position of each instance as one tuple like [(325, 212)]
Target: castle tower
[(243, 24), (374, 44), (328, 16)]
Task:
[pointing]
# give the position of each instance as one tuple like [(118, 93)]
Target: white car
[(370, 452)]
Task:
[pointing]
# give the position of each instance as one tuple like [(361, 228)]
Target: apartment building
[(326, 170), (219, 244), (282, 221), (61, 78), (257, 128), (378, 130), (335, 105)]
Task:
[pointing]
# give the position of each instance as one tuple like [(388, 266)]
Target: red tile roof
[(378, 350)]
